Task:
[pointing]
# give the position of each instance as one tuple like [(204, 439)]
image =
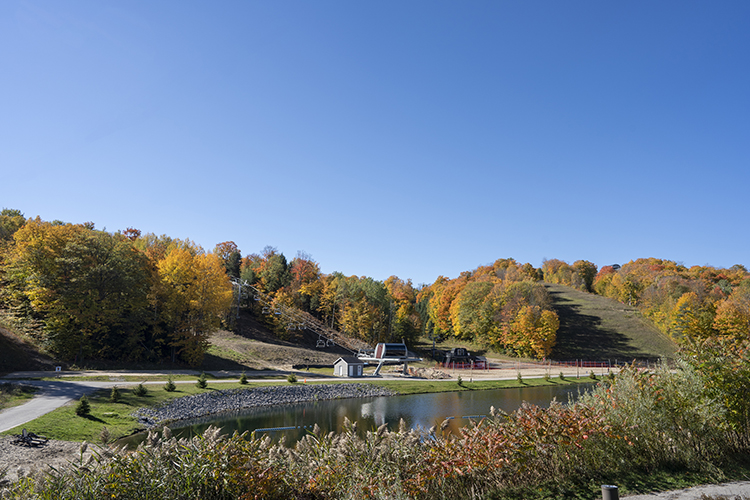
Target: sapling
[(202, 382), (83, 408), (170, 386)]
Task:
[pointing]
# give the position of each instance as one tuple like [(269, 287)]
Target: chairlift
[(320, 343)]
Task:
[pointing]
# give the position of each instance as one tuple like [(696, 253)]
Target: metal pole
[(609, 492)]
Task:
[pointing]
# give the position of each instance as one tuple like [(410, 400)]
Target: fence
[(578, 363)]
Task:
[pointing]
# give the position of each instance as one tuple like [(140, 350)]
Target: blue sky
[(408, 138)]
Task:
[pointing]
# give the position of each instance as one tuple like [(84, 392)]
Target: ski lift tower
[(391, 354)]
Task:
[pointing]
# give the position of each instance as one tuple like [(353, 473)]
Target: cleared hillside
[(16, 355), (598, 328)]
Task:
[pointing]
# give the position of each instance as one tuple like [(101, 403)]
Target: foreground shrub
[(662, 419)]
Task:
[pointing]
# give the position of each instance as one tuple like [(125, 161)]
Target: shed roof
[(350, 360)]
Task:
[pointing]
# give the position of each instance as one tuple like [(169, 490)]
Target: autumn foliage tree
[(697, 302), (502, 306), (113, 296), (88, 287)]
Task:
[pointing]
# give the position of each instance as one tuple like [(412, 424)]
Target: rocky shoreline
[(221, 401)]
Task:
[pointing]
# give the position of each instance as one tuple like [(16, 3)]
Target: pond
[(417, 410)]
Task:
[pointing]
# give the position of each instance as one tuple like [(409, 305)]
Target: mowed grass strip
[(65, 425)]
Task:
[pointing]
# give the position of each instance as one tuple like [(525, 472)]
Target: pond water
[(417, 410)]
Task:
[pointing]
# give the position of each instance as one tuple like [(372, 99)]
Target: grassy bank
[(65, 425), (15, 394)]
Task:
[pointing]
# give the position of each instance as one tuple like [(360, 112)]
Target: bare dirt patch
[(25, 461)]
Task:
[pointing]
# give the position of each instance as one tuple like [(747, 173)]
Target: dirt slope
[(17, 355), (253, 346)]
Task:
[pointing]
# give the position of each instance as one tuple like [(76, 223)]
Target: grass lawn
[(15, 394), (64, 424)]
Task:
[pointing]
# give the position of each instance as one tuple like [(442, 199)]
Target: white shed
[(348, 366)]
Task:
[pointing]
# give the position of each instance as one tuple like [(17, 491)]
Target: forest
[(82, 293)]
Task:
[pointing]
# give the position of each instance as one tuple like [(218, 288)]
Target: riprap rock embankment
[(214, 402)]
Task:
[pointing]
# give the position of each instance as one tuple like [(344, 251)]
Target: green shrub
[(562, 376), (592, 375), (460, 381), (291, 378), (140, 390), (83, 408), (170, 385), (202, 381), (519, 377), (243, 378), (114, 395)]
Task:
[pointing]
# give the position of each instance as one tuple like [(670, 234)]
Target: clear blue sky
[(409, 138)]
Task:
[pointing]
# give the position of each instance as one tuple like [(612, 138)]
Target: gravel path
[(728, 491), (210, 403)]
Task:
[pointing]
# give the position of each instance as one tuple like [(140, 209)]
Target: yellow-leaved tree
[(532, 333), (733, 314), (196, 295)]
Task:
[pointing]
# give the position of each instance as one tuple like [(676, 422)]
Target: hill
[(17, 355), (251, 347), (254, 346), (598, 328), (591, 328)]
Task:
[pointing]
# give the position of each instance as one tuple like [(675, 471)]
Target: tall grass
[(643, 421)]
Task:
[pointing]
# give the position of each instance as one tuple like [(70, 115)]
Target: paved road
[(53, 394)]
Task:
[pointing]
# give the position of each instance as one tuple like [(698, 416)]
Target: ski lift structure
[(296, 319), (389, 354)]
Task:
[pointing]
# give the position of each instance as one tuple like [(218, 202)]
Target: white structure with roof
[(348, 366)]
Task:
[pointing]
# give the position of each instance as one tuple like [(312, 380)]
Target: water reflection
[(417, 410)]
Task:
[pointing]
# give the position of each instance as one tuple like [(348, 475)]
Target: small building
[(348, 366)]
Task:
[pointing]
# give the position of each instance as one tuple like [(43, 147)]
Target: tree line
[(126, 296), (87, 293), (695, 303)]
